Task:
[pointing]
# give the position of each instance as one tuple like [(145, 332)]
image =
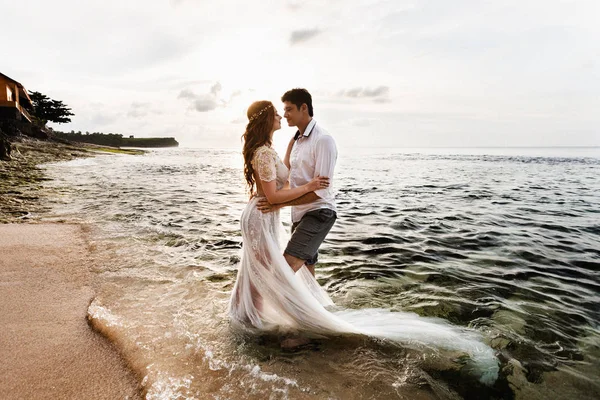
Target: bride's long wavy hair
[(261, 115)]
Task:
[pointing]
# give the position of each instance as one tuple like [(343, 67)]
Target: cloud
[(138, 110), (294, 5), (303, 35), (186, 94), (239, 120), (216, 88), (365, 92), (379, 94), (204, 102)]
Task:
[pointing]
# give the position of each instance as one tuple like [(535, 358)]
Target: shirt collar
[(307, 131)]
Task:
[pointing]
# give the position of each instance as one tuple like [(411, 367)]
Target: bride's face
[(277, 121)]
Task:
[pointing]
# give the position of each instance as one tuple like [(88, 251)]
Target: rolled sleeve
[(326, 157)]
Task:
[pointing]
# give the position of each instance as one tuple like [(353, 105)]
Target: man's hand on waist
[(264, 206)]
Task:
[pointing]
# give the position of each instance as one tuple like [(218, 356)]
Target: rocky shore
[(21, 177)]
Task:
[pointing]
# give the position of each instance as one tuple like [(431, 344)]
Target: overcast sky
[(389, 73)]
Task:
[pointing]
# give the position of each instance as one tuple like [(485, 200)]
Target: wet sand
[(47, 348)]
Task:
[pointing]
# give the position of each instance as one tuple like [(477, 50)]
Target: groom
[(313, 153)]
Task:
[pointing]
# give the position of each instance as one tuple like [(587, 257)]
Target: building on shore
[(14, 100)]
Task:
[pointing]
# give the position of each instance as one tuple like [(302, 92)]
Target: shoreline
[(49, 347)]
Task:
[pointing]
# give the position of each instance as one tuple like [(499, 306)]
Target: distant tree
[(48, 110)]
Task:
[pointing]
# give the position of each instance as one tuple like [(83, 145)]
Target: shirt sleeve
[(326, 156), (264, 164)]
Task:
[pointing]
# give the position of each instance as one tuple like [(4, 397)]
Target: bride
[(269, 296)]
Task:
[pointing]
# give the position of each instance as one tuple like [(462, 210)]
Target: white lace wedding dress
[(269, 296)]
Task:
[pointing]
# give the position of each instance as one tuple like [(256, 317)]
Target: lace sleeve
[(264, 164)]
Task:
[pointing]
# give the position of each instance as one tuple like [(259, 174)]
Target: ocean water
[(503, 241)]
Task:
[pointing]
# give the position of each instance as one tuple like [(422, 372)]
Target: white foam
[(168, 387), (254, 370), (99, 312)]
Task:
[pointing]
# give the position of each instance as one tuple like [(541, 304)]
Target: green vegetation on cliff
[(115, 139), (150, 142)]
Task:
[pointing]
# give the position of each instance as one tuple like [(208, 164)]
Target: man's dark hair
[(299, 97)]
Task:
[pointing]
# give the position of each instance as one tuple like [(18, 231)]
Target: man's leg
[(310, 263), (294, 262), (307, 236)]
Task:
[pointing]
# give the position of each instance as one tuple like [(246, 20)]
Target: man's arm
[(304, 199), (264, 206), (286, 159), (326, 157)]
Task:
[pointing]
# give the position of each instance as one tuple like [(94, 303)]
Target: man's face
[(291, 113)]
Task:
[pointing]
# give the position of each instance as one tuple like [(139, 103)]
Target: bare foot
[(293, 342)]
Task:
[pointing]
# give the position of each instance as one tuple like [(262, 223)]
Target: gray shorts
[(309, 233)]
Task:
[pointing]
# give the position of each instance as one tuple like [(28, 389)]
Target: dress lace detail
[(265, 163)]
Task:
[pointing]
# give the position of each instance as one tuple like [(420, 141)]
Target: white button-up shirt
[(314, 153)]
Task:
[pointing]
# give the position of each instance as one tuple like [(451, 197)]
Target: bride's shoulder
[(266, 150), (264, 153)]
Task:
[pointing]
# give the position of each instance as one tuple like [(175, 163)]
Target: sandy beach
[(46, 345)]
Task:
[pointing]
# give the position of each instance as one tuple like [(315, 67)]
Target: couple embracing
[(276, 287)]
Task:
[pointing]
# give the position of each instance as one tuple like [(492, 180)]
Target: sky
[(382, 73)]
